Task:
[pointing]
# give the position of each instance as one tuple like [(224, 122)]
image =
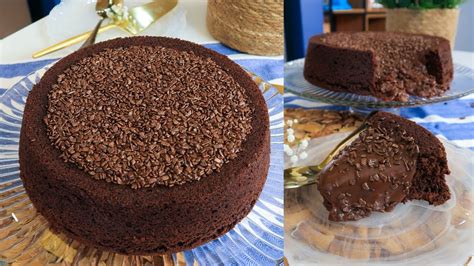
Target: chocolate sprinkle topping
[(370, 180), (143, 116)]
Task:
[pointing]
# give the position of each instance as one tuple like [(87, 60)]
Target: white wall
[(465, 35)]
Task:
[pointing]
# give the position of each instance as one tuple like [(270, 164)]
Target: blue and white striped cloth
[(452, 120), (269, 68)]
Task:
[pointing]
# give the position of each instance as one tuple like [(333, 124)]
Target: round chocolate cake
[(144, 145), (393, 160), (387, 65)]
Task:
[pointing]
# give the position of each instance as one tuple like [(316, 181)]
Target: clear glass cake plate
[(414, 233), (462, 85), (25, 238)]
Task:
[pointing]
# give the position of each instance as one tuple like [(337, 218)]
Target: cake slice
[(387, 65), (393, 160)]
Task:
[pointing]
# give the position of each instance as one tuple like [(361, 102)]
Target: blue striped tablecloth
[(269, 68), (452, 120)]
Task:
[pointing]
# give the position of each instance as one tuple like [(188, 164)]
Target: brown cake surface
[(394, 160), (144, 145), (387, 65)]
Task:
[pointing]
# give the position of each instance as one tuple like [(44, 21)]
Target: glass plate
[(25, 238), (414, 233), (462, 85)]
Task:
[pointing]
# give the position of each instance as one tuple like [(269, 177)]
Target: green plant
[(420, 4)]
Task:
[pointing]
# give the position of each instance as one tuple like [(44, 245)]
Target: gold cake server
[(299, 176), (102, 8), (133, 21)]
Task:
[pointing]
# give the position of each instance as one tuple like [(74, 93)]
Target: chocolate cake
[(144, 145), (393, 160), (387, 65)]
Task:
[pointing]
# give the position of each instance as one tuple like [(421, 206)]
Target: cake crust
[(158, 220)]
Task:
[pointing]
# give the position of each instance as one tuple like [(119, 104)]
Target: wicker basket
[(251, 26), (437, 22)]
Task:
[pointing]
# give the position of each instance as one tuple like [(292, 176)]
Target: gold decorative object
[(266, 85), (132, 21), (102, 8), (296, 177), (254, 27), (436, 22)]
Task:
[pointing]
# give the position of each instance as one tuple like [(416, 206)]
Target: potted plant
[(432, 17)]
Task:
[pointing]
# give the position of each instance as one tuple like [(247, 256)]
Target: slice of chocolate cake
[(387, 65), (393, 160)]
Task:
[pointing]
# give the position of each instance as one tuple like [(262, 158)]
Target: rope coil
[(251, 26), (436, 22)]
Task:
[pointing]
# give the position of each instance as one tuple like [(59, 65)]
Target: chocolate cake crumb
[(162, 116)]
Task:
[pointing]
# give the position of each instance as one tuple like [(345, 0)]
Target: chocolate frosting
[(373, 173)]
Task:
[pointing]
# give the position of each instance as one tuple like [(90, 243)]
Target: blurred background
[(305, 18), (16, 14)]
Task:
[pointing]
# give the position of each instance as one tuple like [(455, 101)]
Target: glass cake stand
[(26, 239), (462, 85), (414, 233)]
